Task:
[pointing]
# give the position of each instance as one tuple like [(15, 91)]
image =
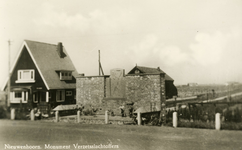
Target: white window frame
[(68, 93), (65, 75), (24, 97), (27, 80), (58, 95)]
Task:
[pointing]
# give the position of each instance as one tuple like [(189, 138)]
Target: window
[(60, 95), (68, 93), (18, 96), (65, 75), (26, 76), (137, 71)]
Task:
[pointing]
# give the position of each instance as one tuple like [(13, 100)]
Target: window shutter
[(26, 96), (11, 96)]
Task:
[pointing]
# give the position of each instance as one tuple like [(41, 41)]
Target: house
[(192, 84), (170, 88), (42, 75)]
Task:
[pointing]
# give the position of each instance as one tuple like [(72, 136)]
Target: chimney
[(60, 50)]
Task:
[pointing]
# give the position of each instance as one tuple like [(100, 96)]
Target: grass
[(209, 125)]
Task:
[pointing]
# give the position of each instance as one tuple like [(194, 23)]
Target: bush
[(87, 112), (197, 124), (209, 125), (3, 112), (231, 126)]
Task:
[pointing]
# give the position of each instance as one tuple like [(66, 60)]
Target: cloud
[(96, 20), (173, 55), (150, 48), (208, 48)]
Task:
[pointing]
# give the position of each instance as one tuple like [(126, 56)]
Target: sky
[(191, 40)]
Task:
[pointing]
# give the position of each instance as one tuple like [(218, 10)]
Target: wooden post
[(12, 114), (217, 121), (57, 116), (106, 117), (174, 119), (32, 115), (139, 118), (78, 116)]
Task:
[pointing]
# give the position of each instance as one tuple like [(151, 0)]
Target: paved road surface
[(130, 137)]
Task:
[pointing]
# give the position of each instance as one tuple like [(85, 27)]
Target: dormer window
[(26, 76), (65, 75)]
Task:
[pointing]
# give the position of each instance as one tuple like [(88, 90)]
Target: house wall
[(171, 90), (26, 62), (68, 99)]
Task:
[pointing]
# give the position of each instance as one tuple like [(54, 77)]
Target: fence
[(202, 115)]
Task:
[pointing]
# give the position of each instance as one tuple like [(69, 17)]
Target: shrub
[(196, 124), (231, 126), (3, 112)]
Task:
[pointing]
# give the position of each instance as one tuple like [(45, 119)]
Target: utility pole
[(9, 73), (99, 62), (100, 66)]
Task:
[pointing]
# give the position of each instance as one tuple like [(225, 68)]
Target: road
[(49, 135)]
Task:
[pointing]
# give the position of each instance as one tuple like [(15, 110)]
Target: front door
[(39, 96)]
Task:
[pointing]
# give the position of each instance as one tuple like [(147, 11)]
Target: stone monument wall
[(144, 91), (90, 90), (109, 93)]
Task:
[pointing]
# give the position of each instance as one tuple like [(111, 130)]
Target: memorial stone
[(117, 83)]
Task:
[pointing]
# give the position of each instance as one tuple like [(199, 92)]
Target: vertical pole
[(174, 119), (139, 118), (78, 116), (99, 62), (217, 121), (9, 73), (100, 66), (12, 114), (57, 116), (32, 115), (106, 117)]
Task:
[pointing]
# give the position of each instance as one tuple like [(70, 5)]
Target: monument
[(115, 90)]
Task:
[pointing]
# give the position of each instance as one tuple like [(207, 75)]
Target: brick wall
[(142, 90), (90, 91)]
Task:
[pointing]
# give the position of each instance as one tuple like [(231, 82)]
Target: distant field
[(208, 90)]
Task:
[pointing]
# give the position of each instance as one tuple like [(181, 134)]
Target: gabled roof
[(47, 61), (150, 70)]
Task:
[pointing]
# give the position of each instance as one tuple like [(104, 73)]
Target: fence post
[(57, 116), (139, 118), (217, 121), (78, 116), (174, 119), (32, 115), (106, 117), (12, 114)]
